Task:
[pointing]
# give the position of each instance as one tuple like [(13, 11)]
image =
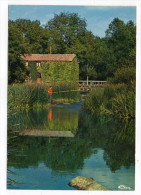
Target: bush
[(124, 105), (114, 100), (124, 75), (94, 101)]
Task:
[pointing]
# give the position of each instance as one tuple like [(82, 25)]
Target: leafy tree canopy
[(121, 40), (67, 33)]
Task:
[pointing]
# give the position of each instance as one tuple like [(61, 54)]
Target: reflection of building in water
[(46, 133), (56, 118), (62, 119)]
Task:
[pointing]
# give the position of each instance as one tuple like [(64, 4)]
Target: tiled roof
[(49, 57)]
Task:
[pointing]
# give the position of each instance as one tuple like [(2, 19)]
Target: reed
[(27, 96), (114, 100), (34, 95), (94, 100), (65, 92)]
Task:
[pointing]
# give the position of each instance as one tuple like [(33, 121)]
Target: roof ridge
[(48, 57)]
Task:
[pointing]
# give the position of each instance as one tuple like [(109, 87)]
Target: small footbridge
[(86, 86)]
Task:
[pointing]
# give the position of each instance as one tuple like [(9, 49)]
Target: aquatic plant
[(94, 100)]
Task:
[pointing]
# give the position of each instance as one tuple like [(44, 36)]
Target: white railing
[(88, 85), (91, 83)]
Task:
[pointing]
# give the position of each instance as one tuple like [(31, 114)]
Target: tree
[(89, 71), (69, 35), (24, 37), (35, 36), (64, 28), (121, 40), (17, 71)]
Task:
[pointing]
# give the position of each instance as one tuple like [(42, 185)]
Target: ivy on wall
[(59, 71), (55, 71), (33, 71)]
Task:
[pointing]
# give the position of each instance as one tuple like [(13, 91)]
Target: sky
[(97, 18)]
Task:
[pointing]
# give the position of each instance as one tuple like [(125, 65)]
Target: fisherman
[(50, 93)]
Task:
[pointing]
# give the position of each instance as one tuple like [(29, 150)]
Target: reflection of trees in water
[(116, 138), (60, 154)]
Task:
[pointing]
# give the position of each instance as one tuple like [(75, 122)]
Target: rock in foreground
[(87, 183)]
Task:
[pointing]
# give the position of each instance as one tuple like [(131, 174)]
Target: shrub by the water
[(114, 100), (124, 105), (124, 75), (94, 100)]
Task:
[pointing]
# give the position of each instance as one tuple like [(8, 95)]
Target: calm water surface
[(47, 148)]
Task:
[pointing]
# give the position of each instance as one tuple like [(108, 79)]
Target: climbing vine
[(33, 70), (60, 71)]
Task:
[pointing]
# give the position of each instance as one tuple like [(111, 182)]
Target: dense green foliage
[(67, 33), (110, 58), (117, 100), (33, 95), (27, 96), (60, 71), (17, 71), (121, 40), (33, 71), (124, 75), (114, 100)]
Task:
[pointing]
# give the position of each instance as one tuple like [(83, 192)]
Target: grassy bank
[(116, 100), (35, 95)]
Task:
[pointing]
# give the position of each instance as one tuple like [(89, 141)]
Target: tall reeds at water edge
[(33, 95), (65, 92), (113, 100), (27, 96)]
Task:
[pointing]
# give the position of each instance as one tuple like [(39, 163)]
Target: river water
[(47, 148)]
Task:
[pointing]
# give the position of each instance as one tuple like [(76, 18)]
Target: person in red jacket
[(50, 93)]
